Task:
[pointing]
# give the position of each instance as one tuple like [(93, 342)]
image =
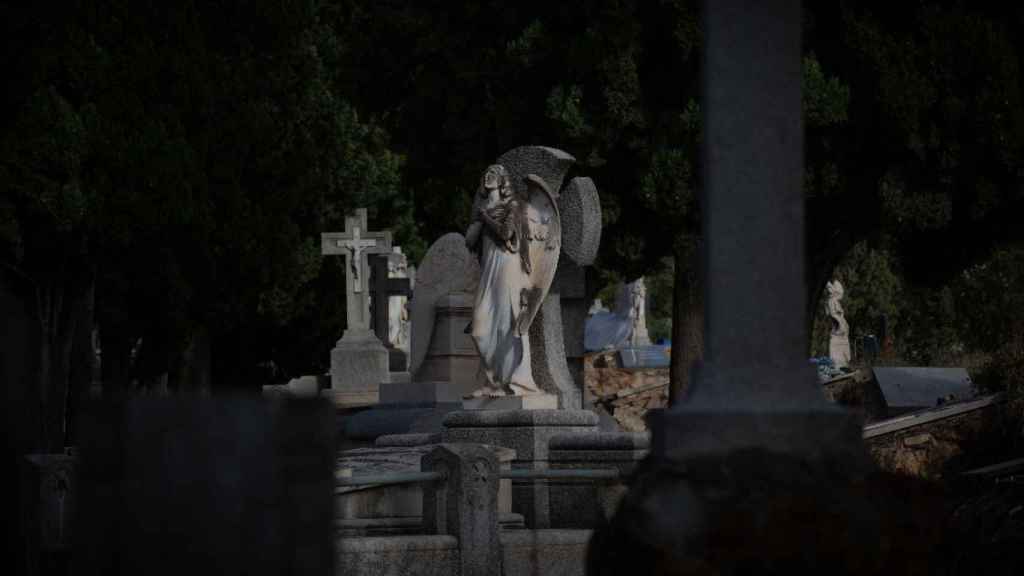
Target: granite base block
[(529, 433), (359, 363)]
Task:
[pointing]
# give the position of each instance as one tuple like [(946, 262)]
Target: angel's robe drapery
[(505, 356)]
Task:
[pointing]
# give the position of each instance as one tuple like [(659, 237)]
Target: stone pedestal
[(359, 363), (585, 504), (397, 509), (529, 433), (451, 356)]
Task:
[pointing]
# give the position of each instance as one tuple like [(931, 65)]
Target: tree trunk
[(687, 323)]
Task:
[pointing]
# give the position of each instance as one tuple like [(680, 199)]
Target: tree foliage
[(183, 160)]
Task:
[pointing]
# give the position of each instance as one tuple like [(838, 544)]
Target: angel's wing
[(543, 244)]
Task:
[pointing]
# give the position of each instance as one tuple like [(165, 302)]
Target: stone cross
[(356, 243), (382, 287)]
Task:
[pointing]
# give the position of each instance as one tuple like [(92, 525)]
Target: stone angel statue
[(516, 231)]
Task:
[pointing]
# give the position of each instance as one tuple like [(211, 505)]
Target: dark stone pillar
[(754, 471)]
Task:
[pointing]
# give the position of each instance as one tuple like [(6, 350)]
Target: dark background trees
[(166, 170)]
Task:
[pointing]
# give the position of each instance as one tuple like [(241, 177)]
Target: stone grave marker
[(359, 361), (447, 269)]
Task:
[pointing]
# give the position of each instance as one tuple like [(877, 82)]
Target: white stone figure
[(398, 313), (517, 233), (839, 341), (637, 293)]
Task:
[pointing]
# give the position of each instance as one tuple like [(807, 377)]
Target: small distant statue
[(518, 238), (839, 341), (626, 326), (637, 293)]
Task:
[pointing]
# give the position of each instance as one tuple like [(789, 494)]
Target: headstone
[(839, 338), (906, 389), (359, 361), (448, 268)]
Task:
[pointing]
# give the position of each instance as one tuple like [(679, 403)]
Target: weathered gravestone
[(359, 360), (441, 304), (205, 486)]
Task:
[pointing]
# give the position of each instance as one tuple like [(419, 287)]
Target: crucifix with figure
[(356, 243), (359, 361)]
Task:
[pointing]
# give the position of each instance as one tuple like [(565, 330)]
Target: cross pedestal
[(359, 360)]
